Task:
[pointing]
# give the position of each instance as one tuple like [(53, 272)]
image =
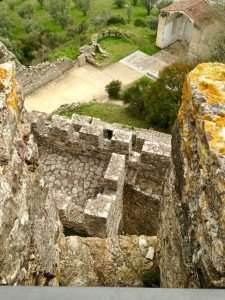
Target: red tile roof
[(196, 10)]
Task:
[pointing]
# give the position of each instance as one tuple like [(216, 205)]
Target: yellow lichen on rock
[(12, 99), (208, 81), (8, 85)]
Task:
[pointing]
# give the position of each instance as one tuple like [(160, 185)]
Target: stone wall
[(192, 233), (34, 250), (32, 77), (30, 229), (112, 158)]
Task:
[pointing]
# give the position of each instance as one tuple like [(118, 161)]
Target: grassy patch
[(109, 113), (118, 48)]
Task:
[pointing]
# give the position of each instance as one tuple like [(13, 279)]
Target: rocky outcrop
[(29, 223), (192, 233), (97, 262)]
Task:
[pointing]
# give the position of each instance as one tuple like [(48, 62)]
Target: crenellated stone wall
[(89, 165)]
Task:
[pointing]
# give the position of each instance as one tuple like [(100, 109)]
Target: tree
[(162, 98), (59, 10), (120, 3), (135, 2), (41, 2), (85, 6), (129, 13), (148, 5), (158, 101), (26, 10)]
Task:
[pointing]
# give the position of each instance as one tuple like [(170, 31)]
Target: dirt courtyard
[(79, 85)]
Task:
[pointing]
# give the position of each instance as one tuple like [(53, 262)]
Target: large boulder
[(192, 233), (30, 229)]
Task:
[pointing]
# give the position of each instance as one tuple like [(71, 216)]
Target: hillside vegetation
[(38, 30)]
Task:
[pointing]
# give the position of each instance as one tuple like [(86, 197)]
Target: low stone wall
[(34, 77)]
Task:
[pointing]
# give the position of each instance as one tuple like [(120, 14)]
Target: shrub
[(26, 10), (153, 23), (162, 98), (151, 278), (157, 102), (113, 20), (59, 10), (140, 23), (12, 4), (155, 11), (120, 3), (134, 97), (113, 89)]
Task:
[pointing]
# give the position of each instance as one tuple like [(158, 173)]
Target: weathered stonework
[(62, 177), (192, 233), (91, 261), (89, 165), (30, 229), (32, 77)]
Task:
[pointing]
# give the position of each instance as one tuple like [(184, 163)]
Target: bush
[(140, 23), (151, 278), (59, 10), (113, 20), (157, 102), (153, 23), (113, 89), (120, 3), (155, 12), (162, 99), (26, 10), (12, 4), (134, 97)]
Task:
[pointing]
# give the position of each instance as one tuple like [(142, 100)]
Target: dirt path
[(79, 85)]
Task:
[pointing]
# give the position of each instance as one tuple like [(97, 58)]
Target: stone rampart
[(33, 77), (89, 165)]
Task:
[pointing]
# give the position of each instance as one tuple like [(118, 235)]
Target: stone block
[(78, 121), (115, 172), (96, 214), (92, 136), (122, 141), (153, 151)]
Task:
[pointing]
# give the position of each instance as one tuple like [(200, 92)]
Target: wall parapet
[(86, 135)]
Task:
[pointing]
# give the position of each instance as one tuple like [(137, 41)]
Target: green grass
[(108, 112), (118, 48), (142, 38)]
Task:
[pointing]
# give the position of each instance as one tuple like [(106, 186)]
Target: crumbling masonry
[(86, 203)]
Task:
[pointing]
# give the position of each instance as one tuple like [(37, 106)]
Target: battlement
[(115, 157), (87, 135)]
